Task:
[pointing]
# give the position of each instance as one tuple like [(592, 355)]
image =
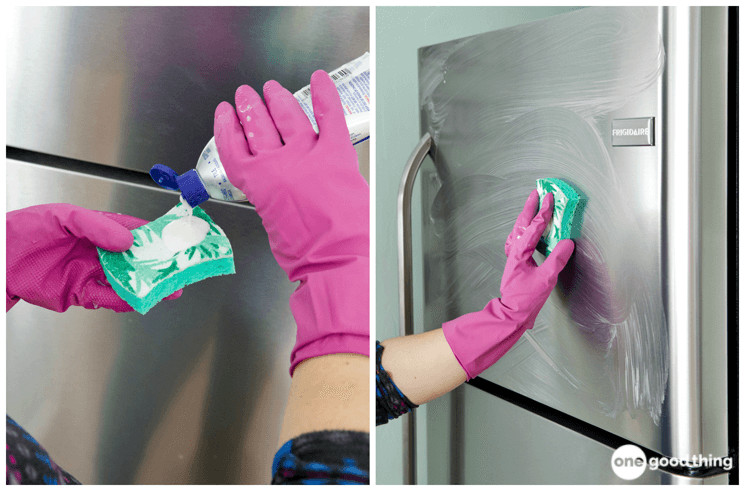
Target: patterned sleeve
[(390, 402), (324, 457), (26, 462)]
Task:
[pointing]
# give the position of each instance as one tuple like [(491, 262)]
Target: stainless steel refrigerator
[(194, 391), (637, 344)]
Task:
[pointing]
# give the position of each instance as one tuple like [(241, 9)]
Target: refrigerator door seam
[(591, 431), (91, 169)]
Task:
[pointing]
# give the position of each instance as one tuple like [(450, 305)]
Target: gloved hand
[(52, 260), (314, 205), (479, 339)]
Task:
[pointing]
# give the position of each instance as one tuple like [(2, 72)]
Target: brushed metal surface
[(476, 188), (135, 86), (682, 160), (716, 300), (533, 450), (697, 204), (192, 392), (467, 108)]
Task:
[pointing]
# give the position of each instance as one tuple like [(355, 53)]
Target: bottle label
[(213, 176), (353, 83)]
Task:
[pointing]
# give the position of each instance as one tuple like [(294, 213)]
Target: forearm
[(324, 437), (330, 392), (422, 366)]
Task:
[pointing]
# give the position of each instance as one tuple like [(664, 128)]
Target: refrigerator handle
[(406, 286)]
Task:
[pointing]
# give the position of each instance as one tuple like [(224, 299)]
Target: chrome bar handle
[(681, 153), (406, 285)]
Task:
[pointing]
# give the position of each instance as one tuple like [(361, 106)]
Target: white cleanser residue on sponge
[(185, 232), (181, 247)]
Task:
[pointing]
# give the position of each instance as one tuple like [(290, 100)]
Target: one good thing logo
[(628, 462)]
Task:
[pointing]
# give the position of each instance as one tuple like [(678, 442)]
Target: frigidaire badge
[(632, 132)]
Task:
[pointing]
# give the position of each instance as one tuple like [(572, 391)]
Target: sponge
[(181, 247), (569, 208)]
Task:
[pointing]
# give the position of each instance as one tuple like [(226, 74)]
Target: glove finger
[(175, 295), (96, 227), (327, 107), (523, 220), (125, 220), (538, 225), (230, 141), (98, 295), (258, 127), (291, 122), (558, 259)]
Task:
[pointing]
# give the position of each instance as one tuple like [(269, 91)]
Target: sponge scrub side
[(569, 208), (182, 247)]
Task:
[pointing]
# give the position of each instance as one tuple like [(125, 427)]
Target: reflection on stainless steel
[(539, 100), (682, 137), (599, 346), (718, 208), (194, 391), (131, 87), (488, 463)]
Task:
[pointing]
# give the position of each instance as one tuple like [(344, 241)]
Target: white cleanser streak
[(517, 127)]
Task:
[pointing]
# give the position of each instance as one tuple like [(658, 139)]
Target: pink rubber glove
[(52, 260), (479, 339), (314, 205)]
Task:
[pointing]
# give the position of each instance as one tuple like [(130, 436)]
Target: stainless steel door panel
[(716, 300), (193, 392), (134, 86), (531, 450), (538, 100)]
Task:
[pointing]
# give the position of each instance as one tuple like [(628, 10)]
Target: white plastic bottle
[(209, 179)]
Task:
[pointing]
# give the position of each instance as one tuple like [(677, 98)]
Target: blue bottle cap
[(164, 176), (189, 183), (192, 188)]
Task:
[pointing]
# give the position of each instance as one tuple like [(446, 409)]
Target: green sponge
[(181, 247), (569, 208)]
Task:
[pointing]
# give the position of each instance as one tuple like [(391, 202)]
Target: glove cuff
[(330, 345), (480, 339), (332, 312)]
